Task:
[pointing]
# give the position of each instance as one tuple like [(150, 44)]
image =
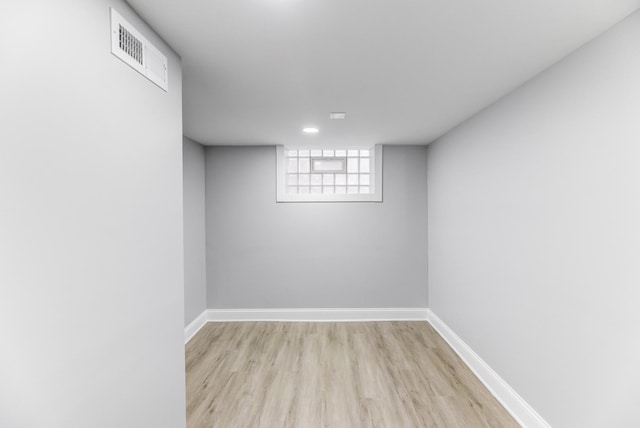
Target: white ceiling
[(405, 71)]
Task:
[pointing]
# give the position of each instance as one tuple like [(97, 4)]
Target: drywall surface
[(263, 254), (534, 238), (195, 264), (91, 275)]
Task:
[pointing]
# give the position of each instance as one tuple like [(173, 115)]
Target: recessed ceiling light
[(310, 130), (337, 115)]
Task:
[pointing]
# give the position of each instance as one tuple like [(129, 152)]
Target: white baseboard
[(308, 315), (515, 405), (195, 326), (318, 315)]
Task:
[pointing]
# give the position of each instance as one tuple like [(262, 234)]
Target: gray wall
[(261, 254), (195, 265), (534, 235), (91, 270)]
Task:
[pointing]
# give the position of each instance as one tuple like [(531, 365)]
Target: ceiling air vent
[(132, 48)]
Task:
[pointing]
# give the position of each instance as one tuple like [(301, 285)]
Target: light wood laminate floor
[(340, 375)]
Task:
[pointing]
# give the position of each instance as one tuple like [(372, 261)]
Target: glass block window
[(329, 175), (328, 171)]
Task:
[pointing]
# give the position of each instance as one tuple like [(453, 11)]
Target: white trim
[(304, 315), (319, 315), (376, 196), (516, 405), (195, 326)]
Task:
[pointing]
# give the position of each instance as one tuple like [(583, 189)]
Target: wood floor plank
[(339, 375)]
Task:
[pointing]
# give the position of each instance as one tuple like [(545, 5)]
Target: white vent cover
[(132, 48)]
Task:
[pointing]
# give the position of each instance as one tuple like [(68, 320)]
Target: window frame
[(375, 196)]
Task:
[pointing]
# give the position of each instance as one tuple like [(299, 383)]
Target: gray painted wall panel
[(263, 254), (534, 238), (91, 259), (195, 265)]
